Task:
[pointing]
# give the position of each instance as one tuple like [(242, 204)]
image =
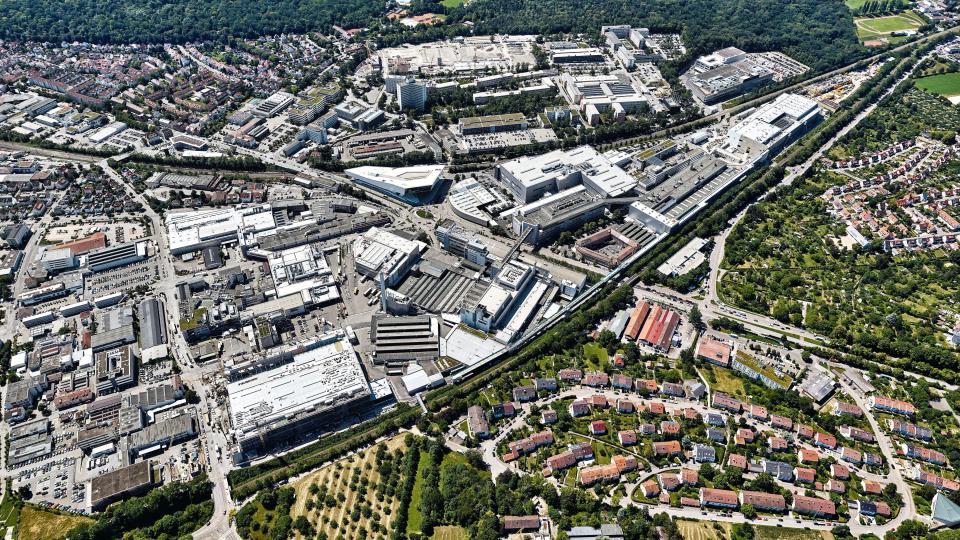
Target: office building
[(412, 94), (116, 256), (492, 124), (115, 369)]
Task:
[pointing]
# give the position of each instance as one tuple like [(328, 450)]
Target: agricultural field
[(363, 486), (39, 524), (705, 530), (946, 84)]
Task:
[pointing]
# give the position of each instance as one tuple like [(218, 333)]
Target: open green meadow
[(946, 84)]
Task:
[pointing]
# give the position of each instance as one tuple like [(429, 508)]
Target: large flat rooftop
[(322, 377)]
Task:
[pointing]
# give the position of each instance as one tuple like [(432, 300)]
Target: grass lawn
[(875, 27), (449, 532), (415, 517), (38, 524), (727, 382), (854, 4), (595, 354), (947, 84), (455, 3)]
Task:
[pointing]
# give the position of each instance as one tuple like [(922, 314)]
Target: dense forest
[(798, 27), (161, 21)]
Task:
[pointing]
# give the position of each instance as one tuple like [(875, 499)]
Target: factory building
[(124, 482), (531, 178), (379, 252), (456, 240), (318, 383), (399, 340)]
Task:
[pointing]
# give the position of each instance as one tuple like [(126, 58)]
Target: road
[(192, 374)]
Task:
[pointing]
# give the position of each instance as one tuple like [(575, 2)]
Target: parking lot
[(123, 279)]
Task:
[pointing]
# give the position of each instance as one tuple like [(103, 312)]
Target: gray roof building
[(153, 330)]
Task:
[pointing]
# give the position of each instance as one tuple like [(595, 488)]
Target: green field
[(39, 524), (947, 84), (415, 516), (855, 4), (449, 4), (880, 27)]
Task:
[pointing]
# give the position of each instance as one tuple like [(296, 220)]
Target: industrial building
[(405, 339), (509, 302), (194, 230), (456, 240), (474, 202), (318, 383), (121, 483), (58, 260), (153, 329), (767, 130), (531, 178), (414, 185), (542, 221), (730, 72), (160, 436), (300, 269), (378, 252)]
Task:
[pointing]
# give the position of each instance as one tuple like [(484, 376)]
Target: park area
[(888, 28)]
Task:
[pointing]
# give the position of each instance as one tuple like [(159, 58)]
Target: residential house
[(805, 475), (718, 498), (764, 502), (813, 506)]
